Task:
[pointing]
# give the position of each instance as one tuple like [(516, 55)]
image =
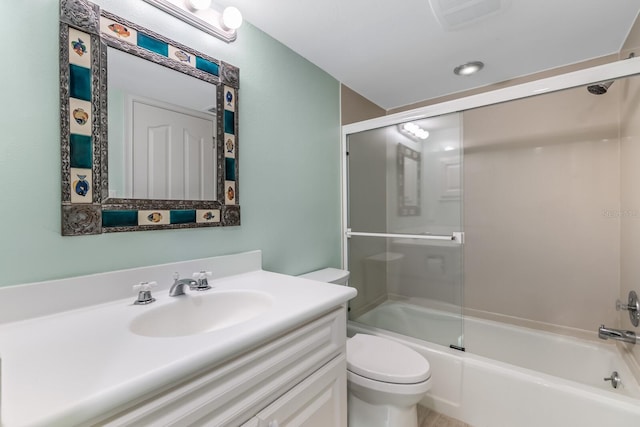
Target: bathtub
[(510, 376)]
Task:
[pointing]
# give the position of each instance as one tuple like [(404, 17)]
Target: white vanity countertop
[(67, 368)]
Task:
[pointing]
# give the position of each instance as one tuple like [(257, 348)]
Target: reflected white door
[(173, 154)]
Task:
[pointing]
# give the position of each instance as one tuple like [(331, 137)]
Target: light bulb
[(198, 4), (410, 127), (231, 18)]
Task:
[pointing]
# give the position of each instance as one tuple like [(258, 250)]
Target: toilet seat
[(388, 389), (381, 359)]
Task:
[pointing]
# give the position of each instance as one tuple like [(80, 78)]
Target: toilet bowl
[(385, 382), (385, 379)]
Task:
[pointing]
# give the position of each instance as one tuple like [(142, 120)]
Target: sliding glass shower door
[(404, 228)]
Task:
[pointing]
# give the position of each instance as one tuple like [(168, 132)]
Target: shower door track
[(454, 237)]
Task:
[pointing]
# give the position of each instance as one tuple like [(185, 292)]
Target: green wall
[(289, 156)]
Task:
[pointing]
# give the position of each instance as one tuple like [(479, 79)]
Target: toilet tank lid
[(328, 275), (385, 360)]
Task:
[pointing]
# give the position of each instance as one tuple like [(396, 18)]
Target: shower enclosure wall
[(538, 185)]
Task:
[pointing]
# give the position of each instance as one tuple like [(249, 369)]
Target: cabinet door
[(318, 401)]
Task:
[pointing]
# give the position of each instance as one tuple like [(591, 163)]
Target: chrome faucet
[(201, 284), (178, 285), (617, 334)]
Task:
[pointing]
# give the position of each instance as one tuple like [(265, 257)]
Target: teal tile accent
[(229, 169), (153, 45), (81, 151), (119, 218), (229, 122), (183, 216), (79, 82), (207, 66)]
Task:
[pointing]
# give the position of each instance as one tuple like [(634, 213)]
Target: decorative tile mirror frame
[(85, 33)]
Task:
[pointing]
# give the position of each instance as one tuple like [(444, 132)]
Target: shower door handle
[(457, 237)]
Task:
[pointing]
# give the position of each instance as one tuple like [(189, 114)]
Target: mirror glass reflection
[(162, 127), (411, 177)]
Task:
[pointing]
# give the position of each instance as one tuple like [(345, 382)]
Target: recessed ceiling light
[(468, 68)]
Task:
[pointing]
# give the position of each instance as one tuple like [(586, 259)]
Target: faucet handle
[(144, 292), (633, 307), (202, 274), (202, 278), (144, 286)]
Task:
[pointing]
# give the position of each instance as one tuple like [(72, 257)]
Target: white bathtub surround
[(589, 335), (514, 376), (453, 309), (451, 314), (631, 355), (69, 367), (630, 202), (538, 191)]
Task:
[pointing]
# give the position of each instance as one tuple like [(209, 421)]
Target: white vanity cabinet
[(78, 352), (296, 379)]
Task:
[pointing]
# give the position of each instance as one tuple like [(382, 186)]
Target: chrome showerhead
[(600, 88)]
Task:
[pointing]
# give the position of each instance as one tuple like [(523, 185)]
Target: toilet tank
[(328, 275)]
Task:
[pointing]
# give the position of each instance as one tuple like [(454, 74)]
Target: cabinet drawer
[(235, 391), (318, 401)]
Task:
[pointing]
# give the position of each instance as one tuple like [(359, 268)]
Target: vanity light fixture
[(200, 14), (468, 68), (199, 4), (231, 18), (414, 131)]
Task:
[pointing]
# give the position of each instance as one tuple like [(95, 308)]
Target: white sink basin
[(196, 313)]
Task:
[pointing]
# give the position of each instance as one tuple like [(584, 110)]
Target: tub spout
[(617, 334)]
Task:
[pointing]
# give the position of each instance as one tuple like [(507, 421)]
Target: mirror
[(149, 128), (161, 131), (409, 172)]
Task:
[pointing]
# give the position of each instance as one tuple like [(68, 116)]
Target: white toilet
[(385, 379)]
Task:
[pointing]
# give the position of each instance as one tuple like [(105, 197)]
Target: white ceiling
[(396, 52)]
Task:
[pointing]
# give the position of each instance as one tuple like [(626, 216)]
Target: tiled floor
[(429, 418)]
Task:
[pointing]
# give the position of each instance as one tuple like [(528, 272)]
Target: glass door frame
[(614, 70)]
